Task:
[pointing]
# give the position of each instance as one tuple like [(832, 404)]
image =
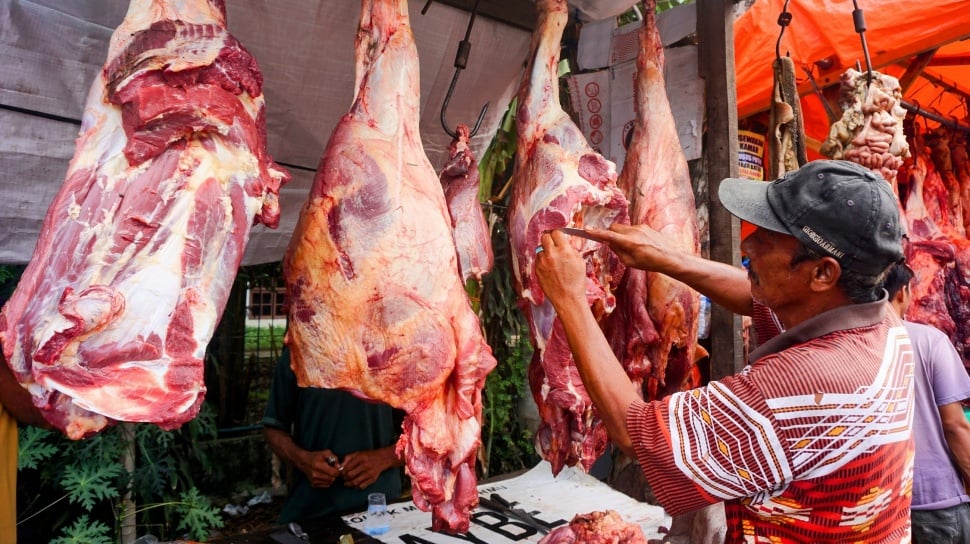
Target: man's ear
[(825, 274), (901, 295)]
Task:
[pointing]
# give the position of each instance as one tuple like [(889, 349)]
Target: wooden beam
[(950, 60), (914, 69), (518, 14), (949, 86), (831, 73), (715, 33)]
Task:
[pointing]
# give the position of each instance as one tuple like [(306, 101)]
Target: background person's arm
[(956, 430), (361, 468), (311, 463)]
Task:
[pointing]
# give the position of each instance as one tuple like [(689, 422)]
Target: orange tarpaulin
[(822, 37)]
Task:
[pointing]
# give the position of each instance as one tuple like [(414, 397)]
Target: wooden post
[(129, 525), (715, 32)]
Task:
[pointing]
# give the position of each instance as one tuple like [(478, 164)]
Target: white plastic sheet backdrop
[(50, 51)]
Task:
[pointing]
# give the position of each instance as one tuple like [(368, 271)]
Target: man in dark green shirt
[(342, 447)]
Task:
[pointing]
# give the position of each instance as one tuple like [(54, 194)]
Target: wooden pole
[(129, 527), (715, 32)]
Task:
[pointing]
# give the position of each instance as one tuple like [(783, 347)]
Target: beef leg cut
[(376, 303), (141, 245), (654, 329), (460, 182), (559, 181)]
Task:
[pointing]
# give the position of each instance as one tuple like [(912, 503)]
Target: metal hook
[(859, 20), (784, 19), (461, 60)]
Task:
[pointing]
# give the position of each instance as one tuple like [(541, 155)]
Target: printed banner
[(751, 152), (552, 501)]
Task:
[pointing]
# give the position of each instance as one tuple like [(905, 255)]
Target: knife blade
[(499, 504), (581, 233)]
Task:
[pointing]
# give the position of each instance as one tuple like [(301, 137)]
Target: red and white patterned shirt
[(811, 442)]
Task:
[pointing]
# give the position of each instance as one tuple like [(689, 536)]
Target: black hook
[(859, 20), (461, 60), (784, 19)]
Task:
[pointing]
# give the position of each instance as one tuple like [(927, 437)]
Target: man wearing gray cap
[(811, 441)]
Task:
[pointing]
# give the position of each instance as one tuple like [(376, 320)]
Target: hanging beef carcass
[(140, 247), (948, 188), (870, 132), (654, 329), (929, 251), (460, 182), (377, 305), (559, 181)]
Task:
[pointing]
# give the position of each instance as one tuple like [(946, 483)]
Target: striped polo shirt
[(810, 442)]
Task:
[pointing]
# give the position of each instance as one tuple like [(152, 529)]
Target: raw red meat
[(460, 181), (654, 328), (559, 181), (948, 188), (141, 245), (377, 305), (606, 527)]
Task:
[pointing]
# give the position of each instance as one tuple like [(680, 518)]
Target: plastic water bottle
[(704, 318)]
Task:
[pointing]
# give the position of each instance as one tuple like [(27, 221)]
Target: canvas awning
[(822, 39)]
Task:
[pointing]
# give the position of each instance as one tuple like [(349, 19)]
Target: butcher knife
[(581, 233), (499, 504)]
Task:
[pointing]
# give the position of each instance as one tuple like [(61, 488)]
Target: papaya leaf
[(88, 483), (198, 514), (85, 531), (35, 447)]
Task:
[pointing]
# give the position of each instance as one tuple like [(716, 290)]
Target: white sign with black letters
[(552, 501)]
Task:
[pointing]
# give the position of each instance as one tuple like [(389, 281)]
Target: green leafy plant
[(85, 531), (78, 486), (506, 437), (264, 338)]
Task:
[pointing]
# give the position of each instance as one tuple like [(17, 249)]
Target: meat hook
[(784, 19), (461, 60), (859, 20)]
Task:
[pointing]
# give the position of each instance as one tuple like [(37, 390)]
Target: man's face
[(774, 282)]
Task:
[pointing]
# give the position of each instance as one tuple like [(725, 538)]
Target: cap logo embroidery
[(822, 242)]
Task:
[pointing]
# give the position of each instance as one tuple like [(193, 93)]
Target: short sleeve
[(945, 369), (280, 410)]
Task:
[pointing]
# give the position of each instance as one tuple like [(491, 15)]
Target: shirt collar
[(849, 316)]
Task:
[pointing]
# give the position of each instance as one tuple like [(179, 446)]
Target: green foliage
[(9, 276), (664, 5), (90, 474), (34, 449), (198, 515), (264, 338), (85, 531), (507, 439), (86, 483), (498, 158)]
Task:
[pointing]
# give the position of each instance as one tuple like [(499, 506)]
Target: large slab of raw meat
[(654, 328), (140, 247), (460, 182), (377, 305), (559, 181)]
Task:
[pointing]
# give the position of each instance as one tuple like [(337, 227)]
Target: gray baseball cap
[(838, 208)]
